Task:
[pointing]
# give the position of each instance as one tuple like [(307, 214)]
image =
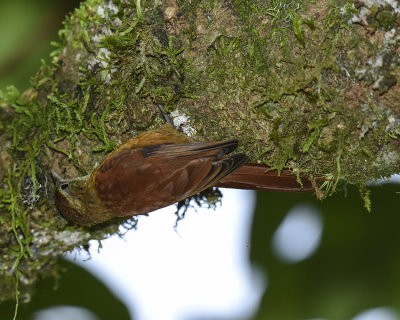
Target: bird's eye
[(64, 186)]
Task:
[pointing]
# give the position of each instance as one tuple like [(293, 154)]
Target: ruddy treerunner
[(157, 168)]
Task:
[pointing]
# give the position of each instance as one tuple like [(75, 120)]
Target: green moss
[(275, 71), (383, 17)]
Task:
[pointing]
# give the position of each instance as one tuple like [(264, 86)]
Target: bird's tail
[(254, 176)]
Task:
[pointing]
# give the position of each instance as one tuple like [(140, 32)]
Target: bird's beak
[(56, 178)]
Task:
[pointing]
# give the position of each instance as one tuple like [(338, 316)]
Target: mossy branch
[(304, 86)]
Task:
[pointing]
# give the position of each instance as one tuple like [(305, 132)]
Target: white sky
[(201, 270)]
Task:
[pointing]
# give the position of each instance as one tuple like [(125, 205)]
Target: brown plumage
[(156, 169)]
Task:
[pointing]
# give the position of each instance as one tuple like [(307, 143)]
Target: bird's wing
[(141, 180)]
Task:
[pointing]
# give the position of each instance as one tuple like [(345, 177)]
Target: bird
[(155, 169)]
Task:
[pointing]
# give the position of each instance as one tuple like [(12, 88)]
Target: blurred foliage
[(355, 268), (26, 29), (76, 287)]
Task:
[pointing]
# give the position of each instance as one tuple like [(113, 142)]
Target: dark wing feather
[(190, 150), (138, 181), (220, 169)]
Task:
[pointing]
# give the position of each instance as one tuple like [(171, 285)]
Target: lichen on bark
[(308, 86)]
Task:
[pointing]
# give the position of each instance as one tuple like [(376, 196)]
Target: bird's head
[(71, 198)]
